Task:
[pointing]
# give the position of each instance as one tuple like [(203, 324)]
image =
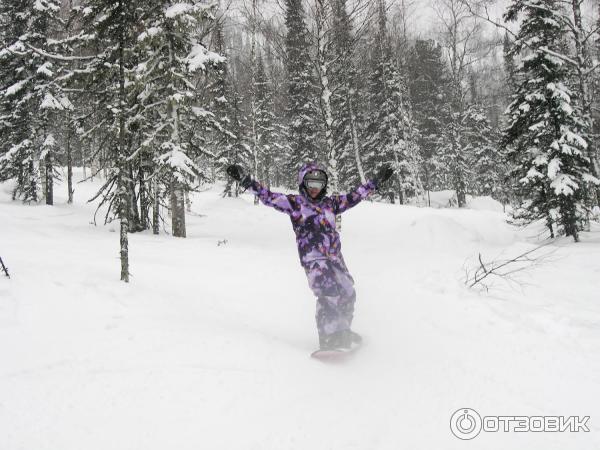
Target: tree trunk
[(144, 206), (582, 67), (134, 215), (321, 19), (188, 202), (122, 160), (49, 180), (461, 196), (69, 167), (83, 159), (253, 107), (177, 209), (355, 142), (177, 189), (33, 180), (325, 100), (155, 207)]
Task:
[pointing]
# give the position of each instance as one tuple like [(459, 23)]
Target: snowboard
[(335, 354)]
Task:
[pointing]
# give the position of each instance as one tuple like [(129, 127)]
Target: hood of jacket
[(302, 172)]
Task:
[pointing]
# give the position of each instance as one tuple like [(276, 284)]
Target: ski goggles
[(314, 184), (315, 179)]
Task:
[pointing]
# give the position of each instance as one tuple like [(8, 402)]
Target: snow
[(66, 103), (176, 159), (149, 33), (564, 184), (42, 5), (49, 141), (15, 149), (538, 126), (532, 173), (200, 56), (525, 107), (447, 199), (208, 346), (588, 178), (484, 203), (177, 9), (201, 112), (554, 167), (46, 69), (573, 138), (50, 102), (12, 90), (566, 108)]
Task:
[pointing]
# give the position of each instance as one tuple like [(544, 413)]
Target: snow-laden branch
[(60, 57), (560, 56)]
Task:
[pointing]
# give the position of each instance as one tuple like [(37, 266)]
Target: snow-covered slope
[(208, 346)]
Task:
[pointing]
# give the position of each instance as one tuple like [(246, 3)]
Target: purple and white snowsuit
[(319, 247)]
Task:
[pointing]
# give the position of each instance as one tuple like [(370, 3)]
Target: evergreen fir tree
[(544, 136), (110, 32), (428, 87), (302, 110), (486, 167), (31, 97), (388, 133), (265, 123), (221, 96), (509, 64), (174, 57), (344, 99)]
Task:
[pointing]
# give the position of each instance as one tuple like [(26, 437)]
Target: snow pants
[(334, 288)]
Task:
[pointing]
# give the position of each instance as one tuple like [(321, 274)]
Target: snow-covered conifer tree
[(544, 136), (346, 127), (31, 97), (302, 110), (221, 104), (266, 130), (429, 95), (109, 31), (389, 138), (173, 59)]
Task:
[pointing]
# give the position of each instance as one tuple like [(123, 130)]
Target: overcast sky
[(423, 17)]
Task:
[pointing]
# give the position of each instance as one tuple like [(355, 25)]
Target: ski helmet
[(312, 176)]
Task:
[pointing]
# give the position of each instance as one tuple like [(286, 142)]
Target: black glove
[(383, 175), (236, 172)]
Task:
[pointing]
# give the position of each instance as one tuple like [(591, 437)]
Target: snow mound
[(485, 203), (6, 190), (442, 199), (439, 231), (447, 199)]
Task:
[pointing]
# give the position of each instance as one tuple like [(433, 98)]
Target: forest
[(158, 97)]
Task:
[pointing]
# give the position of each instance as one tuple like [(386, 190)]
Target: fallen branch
[(505, 268), (4, 269)]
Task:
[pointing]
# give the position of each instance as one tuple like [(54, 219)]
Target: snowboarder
[(313, 218)]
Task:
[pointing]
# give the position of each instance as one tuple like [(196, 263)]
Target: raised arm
[(344, 202), (281, 202)]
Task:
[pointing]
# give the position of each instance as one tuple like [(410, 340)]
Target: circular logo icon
[(465, 423)]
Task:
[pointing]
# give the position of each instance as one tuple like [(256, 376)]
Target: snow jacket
[(313, 220)]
